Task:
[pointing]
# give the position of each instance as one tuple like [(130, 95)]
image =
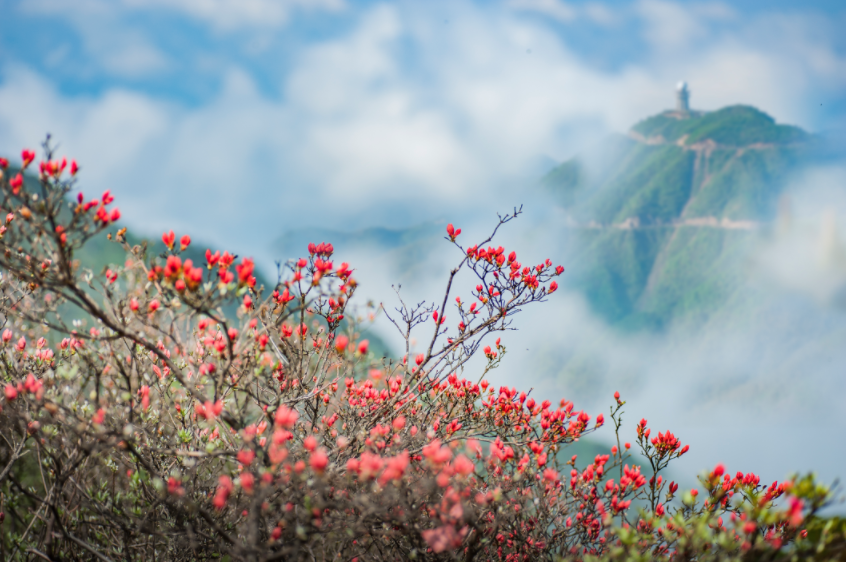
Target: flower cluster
[(201, 412)]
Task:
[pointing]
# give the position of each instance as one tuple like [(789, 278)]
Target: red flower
[(341, 343), (224, 488), (174, 487), (286, 417), (27, 156), (15, 183), (247, 482), (184, 242), (318, 461), (246, 456), (395, 468), (245, 272), (168, 239)]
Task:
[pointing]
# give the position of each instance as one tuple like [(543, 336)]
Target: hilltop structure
[(682, 97)]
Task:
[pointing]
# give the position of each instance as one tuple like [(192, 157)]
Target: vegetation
[(168, 430), (735, 126), (642, 254)]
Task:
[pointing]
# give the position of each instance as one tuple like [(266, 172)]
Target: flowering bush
[(141, 423)]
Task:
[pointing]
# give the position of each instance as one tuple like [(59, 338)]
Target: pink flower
[(395, 468), (436, 454), (247, 482), (550, 475), (286, 417), (463, 465), (442, 538), (318, 461)]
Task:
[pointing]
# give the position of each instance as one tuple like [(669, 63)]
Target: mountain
[(661, 226), (662, 219)]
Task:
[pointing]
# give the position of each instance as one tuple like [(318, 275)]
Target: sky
[(226, 117), (237, 121)]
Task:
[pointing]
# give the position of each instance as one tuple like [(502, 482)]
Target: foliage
[(646, 211), (171, 431), (736, 126)]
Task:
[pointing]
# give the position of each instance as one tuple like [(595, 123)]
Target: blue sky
[(236, 112)]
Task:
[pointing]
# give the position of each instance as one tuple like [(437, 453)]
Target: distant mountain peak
[(661, 218), (734, 126)]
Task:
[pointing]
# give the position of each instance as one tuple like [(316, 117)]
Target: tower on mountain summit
[(682, 97)]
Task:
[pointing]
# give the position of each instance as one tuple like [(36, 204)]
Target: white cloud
[(402, 112), (670, 25), (556, 9), (806, 253), (117, 48), (224, 15), (565, 12), (233, 14), (108, 133), (600, 14)]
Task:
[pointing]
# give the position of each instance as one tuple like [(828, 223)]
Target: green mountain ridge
[(662, 218), (661, 223)]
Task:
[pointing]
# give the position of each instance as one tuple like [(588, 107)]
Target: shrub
[(141, 423)]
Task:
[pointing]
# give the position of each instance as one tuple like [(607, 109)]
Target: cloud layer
[(406, 112)]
